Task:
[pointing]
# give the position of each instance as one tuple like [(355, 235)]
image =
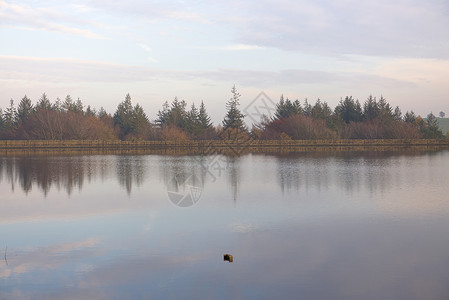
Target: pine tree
[(432, 131), (123, 116), (43, 103), (397, 115), (24, 109), (385, 110), (79, 107), (10, 117), (163, 116), (234, 118), (287, 108), (90, 112), (410, 117), (370, 108), (68, 104), (203, 117), (2, 121), (57, 106), (307, 108), (349, 110), (177, 115), (139, 120), (193, 125), (102, 113)]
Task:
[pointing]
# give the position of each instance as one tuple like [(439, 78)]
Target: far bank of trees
[(292, 119)]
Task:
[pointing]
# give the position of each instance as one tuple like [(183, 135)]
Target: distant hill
[(443, 123)]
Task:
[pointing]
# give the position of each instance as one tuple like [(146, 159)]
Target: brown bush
[(298, 127), (173, 133), (374, 129), (234, 134), (56, 125)]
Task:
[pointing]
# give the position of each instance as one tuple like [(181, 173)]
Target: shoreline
[(229, 147)]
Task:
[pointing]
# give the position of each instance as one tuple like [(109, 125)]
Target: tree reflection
[(130, 170), (233, 167), (62, 172), (351, 170), (70, 172)]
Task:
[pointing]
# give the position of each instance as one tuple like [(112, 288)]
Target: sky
[(101, 50)]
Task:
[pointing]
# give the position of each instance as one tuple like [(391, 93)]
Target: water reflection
[(376, 171), (308, 226)]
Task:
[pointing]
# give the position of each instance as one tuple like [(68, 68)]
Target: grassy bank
[(212, 146)]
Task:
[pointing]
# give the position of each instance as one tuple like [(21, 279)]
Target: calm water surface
[(299, 226)]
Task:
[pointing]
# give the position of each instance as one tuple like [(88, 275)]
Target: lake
[(342, 225)]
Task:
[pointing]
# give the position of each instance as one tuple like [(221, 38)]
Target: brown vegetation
[(68, 120)]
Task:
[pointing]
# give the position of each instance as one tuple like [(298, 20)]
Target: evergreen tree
[(57, 106), (174, 115), (234, 118), (79, 107), (163, 116), (287, 108), (370, 108), (10, 117), (102, 113), (43, 103), (307, 108), (432, 131), (385, 110), (203, 117), (68, 104), (321, 110), (193, 125), (177, 115), (410, 117), (349, 110), (24, 109), (397, 115), (2, 121), (140, 120), (123, 117), (90, 112)]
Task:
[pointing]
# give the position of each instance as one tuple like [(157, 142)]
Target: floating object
[(228, 257)]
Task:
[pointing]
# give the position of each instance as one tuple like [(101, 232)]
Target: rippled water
[(300, 226)]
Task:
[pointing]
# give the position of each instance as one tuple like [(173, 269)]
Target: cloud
[(50, 257), (145, 47), (189, 11), (148, 49), (58, 70), (381, 28), (239, 47), (41, 18), (74, 70), (403, 28)]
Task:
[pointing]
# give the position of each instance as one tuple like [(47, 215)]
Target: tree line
[(70, 119)]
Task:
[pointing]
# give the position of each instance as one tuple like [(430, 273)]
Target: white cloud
[(148, 49), (42, 18), (382, 28), (239, 47), (403, 28), (74, 70), (145, 47)]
